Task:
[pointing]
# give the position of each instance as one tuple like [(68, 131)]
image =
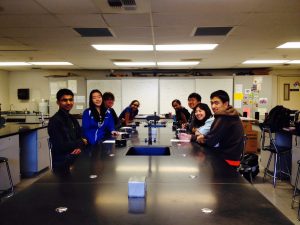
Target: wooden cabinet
[(9, 148)]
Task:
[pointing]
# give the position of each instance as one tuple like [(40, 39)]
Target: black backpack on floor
[(249, 167)]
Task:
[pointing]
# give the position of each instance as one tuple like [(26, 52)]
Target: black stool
[(5, 160), (278, 151)]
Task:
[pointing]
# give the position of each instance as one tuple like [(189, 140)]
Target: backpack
[(249, 167), (278, 118)]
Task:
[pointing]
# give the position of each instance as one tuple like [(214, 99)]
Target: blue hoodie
[(95, 131)]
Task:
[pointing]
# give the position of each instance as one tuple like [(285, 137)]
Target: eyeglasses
[(67, 100)]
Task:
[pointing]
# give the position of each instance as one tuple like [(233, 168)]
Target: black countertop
[(181, 189), (10, 129)]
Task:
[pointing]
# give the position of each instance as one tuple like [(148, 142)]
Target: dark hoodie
[(226, 135)]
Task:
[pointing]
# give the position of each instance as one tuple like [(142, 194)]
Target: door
[(289, 92)]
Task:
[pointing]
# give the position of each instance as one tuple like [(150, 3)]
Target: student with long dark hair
[(97, 123), (127, 115), (202, 122)]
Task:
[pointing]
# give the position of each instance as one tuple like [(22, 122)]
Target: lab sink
[(150, 150)]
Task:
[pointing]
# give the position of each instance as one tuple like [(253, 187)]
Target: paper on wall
[(238, 88), (79, 106), (79, 99), (72, 85), (247, 91), (237, 104), (238, 96)]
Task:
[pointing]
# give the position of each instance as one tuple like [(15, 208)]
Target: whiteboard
[(144, 90), (206, 86), (113, 86), (171, 89)]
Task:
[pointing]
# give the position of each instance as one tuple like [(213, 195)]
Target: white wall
[(38, 88), (4, 93)]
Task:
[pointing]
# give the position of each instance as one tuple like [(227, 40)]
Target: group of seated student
[(221, 132), (99, 122)]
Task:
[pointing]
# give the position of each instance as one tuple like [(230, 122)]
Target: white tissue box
[(137, 186)]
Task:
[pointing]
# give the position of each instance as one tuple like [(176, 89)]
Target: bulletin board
[(253, 94)]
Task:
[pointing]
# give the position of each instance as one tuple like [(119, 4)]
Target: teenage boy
[(65, 132), (193, 100), (226, 134)]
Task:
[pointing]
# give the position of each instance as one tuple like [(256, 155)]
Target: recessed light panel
[(290, 45), (265, 61), (186, 47), (123, 47), (51, 63), (135, 63), (185, 63), (14, 64)]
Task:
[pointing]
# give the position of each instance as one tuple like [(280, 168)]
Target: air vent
[(126, 4), (115, 3), (212, 31), (94, 32)]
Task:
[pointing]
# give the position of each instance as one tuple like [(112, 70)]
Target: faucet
[(10, 108), (149, 133), (155, 118)]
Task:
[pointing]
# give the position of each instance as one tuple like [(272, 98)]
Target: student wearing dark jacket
[(193, 100), (65, 132), (182, 114), (226, 134), (108, 102)]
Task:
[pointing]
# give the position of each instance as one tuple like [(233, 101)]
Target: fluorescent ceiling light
[(265, 61), (294, 62), (290, 45), (186, 47), (123, 47), (135, 63), (183, 63), (51, 63), (14, 64)]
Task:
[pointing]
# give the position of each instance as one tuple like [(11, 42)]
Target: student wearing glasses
[(127, 115), (65, 133), (97, 122)]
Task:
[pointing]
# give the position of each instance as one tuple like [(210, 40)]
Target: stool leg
[(267, 168), (10, 179), (275, 170), (295, 188)]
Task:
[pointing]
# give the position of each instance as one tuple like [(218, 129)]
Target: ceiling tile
[(127, 20)]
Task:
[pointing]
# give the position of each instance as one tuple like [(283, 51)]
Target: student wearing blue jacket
[(97, 123), (127, 115)]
